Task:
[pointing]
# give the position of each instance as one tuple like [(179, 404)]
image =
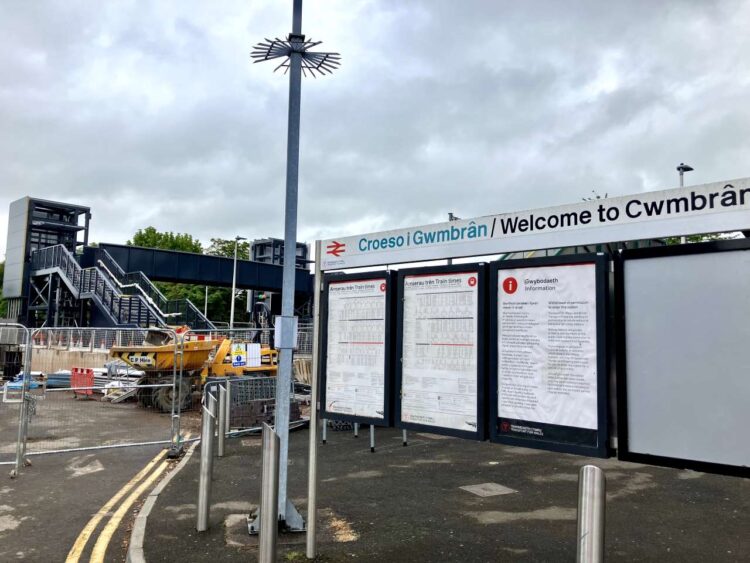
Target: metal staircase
[(172, 311), (127, 300), (93, 284)]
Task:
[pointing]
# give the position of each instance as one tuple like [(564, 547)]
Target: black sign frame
[(481, 408), (567, 439), (623, 450), (387, 419)]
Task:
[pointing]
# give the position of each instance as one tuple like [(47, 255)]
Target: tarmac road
[(43, 511), (46, 508), (407, 504)]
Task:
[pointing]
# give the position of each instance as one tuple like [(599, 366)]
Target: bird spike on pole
[(312, 62)]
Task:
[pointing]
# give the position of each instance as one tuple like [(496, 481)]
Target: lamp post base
[(292, 522)]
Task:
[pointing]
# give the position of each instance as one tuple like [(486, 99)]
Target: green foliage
[(219, 303), (695, 238), (151, 238), (225, 247), (219, 298)]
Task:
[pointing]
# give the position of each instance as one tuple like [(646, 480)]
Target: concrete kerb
[(135, 547)]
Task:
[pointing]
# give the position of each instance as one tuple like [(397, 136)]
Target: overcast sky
[(151, 112)]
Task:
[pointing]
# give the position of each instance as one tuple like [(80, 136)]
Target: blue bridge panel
[(187, 267)]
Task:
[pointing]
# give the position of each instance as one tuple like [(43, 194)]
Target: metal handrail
[(102, 283), (104, 256), (139, 281), (154, 306), (90, 282)]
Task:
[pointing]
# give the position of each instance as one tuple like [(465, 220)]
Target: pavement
[(418, 504), (45, 509)]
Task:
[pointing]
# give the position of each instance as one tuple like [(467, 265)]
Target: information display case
[(355, 355), (549, 354), (439, 365)]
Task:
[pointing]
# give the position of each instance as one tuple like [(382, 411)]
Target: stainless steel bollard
[(269, 496), (404, 437), (312, 461), (592, 496), (372, 439), (228, 426), (207, 462), (325, 430), (356, 429), (222, 418)]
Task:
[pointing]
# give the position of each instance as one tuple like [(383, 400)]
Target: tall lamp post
[(297, 59), (237, 240), (452, 217), (682, 168)]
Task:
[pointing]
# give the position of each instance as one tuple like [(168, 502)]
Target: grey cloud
[(152, 113)]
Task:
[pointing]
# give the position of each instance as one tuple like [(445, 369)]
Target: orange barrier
[(82, 377)]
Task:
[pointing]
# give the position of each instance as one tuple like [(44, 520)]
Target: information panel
[(355, 358), (546, 363), (440, 384), (684, 374)]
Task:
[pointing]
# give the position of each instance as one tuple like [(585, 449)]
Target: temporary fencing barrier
[(232, 407), (251, 393), (305, 340), (96, 388), (16, 407), (249, 403), (265, 337), (99, 388)]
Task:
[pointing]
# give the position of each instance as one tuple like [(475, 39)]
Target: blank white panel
[(688, 356)]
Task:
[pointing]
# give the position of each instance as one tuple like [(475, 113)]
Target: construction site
[(97, 327)]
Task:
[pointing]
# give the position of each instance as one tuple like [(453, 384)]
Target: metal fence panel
[(14, 359), (251, 402), (101, 388), (252, 390), (144, 386)]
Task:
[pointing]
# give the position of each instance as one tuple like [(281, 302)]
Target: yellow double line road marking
[(105, 536), (100, 548)]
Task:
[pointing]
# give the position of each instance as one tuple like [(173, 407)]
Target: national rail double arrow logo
[(336, 248)]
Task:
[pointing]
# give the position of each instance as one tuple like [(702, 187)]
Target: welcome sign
[(707, 208)]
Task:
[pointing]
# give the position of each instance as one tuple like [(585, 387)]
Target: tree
[(151, 238), (225, 247), (696, 238), (219, 298)]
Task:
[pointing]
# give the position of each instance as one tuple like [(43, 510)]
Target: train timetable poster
[(440, 350), (547, 365), (356, 348)]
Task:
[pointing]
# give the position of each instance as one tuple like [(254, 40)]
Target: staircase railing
[(174, 311), (189, 314), (94, 284)]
